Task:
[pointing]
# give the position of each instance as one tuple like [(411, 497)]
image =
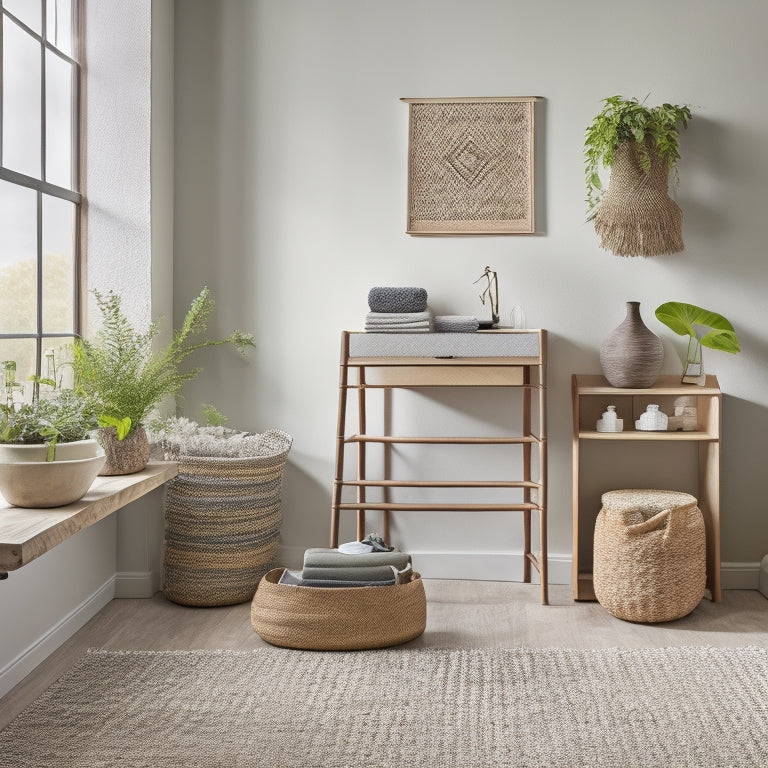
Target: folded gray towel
[(351, 573), (295, 579), (456, 323), (399, 322), (397, 299), (320, 557)]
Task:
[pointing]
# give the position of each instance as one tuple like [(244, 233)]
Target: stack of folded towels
[(351, 565), (396, 309)]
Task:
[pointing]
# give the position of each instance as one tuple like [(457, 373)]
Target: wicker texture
[(649, 555), (632, 355), (338, 618), (636, 216), (222, 523)]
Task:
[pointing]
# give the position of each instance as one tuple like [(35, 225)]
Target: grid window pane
[(58, 265), (59, 24), (58, 125), (28, 11), (21, 353), (18, 259), (22, 129)]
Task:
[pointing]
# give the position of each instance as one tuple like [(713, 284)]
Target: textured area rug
[(420, 708)]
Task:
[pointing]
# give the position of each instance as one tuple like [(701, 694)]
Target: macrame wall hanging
[(635, 216)]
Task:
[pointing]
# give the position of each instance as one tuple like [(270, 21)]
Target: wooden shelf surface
[(25, 534)]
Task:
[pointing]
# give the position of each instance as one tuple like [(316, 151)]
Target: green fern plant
[(123, 371), (627, 120)]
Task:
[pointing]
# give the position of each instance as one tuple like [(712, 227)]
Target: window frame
[(43, 187)]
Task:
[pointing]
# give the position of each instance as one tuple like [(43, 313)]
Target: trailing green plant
[(690, 320), (628, 120), (120, 367), (64, 418)]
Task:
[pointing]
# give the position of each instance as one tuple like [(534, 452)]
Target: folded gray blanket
[(399, 322), (456, 323), (320, 557), (397, 299)]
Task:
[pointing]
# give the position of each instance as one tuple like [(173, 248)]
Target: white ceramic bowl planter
[(28, 480)]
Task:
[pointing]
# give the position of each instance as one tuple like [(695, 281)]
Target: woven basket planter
[(338, 618), (636, 216), (222, 523), (649, 555)]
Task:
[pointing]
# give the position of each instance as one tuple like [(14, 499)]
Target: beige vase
[(124, 457)]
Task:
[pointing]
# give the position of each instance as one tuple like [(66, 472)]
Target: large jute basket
[(338, 618), (649, 555), (636, 216), (222, 523)]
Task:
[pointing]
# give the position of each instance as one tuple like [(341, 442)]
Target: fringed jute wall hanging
[(636, 215), (639, 144)]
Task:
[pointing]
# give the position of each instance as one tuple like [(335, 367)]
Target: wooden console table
[(496, 358), (28, 533)]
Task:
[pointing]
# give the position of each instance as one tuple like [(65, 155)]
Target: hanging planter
[(635, 216)]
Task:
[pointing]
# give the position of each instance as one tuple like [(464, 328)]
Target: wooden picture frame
[(471, 165)]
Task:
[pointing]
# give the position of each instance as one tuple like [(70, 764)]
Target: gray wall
[(291, 196)]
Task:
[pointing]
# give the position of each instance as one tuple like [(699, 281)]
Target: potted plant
[(635, 216), (704, 328), (222, 510), (47, 456), (129, 378)]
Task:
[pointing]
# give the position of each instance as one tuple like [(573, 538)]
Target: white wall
[(291, 193)]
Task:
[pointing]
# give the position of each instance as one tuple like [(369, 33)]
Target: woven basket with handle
[(338, 618), (649, 555)]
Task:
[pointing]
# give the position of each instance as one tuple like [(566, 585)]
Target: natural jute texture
[(222, 523), (636, 216), (650, 555), (421, 708), (338, 619)]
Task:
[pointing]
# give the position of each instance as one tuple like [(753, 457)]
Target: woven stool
[(338, 618), (649, 555)]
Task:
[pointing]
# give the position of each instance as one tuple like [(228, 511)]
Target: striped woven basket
[(222, 523), (649, 555), (338, 618)]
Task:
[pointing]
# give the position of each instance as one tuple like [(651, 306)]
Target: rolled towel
[(397, 299), (456, 323)]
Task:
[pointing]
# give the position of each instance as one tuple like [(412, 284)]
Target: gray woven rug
[(421, 708)]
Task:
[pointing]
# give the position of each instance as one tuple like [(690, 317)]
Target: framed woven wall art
[(470, 166)]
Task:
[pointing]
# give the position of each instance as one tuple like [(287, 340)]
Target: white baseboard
[(508, 566), (15, 671), (136, 583)]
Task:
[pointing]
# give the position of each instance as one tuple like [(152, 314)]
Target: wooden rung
[(391, 506), (441, 483), (442, 440)]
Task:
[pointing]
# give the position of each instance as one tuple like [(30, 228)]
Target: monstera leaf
[(688, 319)]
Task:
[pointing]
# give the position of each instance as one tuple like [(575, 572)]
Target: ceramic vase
[(631, 356)]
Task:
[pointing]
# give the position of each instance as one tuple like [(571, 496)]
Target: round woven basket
[(649, 555), (222, 523), (338, 618)]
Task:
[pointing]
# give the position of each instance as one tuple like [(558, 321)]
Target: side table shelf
[(591, 395), (495, 358)]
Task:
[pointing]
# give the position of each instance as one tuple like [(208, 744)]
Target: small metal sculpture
[(491, 293)]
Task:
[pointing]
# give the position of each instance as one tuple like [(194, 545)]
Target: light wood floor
[(459, 614)]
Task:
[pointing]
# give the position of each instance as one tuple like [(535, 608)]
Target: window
[(40, 200)]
